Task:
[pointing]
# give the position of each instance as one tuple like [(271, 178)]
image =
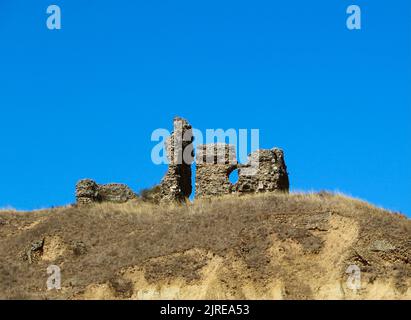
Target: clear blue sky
[(83, 101)]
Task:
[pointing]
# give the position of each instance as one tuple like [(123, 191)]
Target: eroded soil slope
[(271, 246)]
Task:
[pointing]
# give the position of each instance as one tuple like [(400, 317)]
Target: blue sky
[(83, 101)]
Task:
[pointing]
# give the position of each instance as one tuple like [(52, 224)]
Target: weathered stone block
[(88, 191), (116, 192)]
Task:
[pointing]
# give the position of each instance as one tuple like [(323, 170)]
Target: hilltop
[(269, 246)]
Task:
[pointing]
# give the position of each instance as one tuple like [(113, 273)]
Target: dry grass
[(95, 245)]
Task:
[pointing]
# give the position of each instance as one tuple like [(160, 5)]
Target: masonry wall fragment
[(176, 184), (214, 163), (265, 171), (88, 192)]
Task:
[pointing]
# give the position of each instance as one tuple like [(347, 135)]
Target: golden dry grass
[(256, 246)]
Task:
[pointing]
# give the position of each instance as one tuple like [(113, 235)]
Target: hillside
[(270, 246)]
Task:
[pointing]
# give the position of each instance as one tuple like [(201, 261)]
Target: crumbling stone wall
[(176, 184), (265, 171), (88, 191), (214, 163)]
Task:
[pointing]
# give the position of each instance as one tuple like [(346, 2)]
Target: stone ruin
[(88, 192), (176, 184), (214, 164), (265, 171)]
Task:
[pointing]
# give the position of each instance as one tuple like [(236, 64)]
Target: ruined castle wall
[(88, 192), (176, 184), (116, 192), (266, 171), (214, 163)]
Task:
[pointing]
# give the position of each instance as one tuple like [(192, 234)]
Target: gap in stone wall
[(233, 177), (193, 181)]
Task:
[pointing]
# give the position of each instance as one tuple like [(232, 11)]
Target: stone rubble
[(88, 191), (265, 171)]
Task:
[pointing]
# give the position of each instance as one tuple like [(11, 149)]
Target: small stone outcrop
[(34, 251), (176, 184), (116, 192), (88, 191)]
